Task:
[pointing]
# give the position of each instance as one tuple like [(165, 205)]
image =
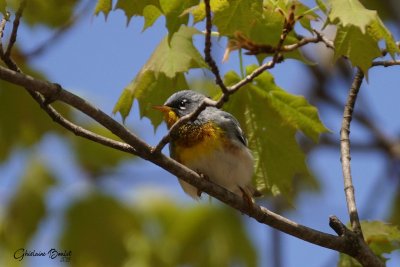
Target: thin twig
[(207, 50), (6, 58), (13, 36), (78, 130), (345, 152), (386, 63), (165, 140), (2, 27), (325, 40)]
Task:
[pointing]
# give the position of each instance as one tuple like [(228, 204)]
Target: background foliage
[(40, 160)]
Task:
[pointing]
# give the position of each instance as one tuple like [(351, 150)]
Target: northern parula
[(213, 144)]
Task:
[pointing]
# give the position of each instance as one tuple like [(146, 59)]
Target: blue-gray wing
[(227, 122)]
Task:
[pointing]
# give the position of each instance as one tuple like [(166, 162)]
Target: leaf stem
[(240, 53)]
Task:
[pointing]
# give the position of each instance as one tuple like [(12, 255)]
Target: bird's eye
[(182, 104)]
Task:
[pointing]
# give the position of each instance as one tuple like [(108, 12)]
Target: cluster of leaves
[(359, 31), (164, 73), (154, 233), (20, 220), (270, 116)]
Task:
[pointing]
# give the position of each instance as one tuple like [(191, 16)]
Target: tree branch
[(44, 93), (345, 152), (386, 63), (257, 212)]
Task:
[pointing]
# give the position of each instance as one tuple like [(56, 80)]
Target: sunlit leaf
[(172, 10), (359, 47), (271, 135), (294, 110), (28, 123), (27, 206), (395, 209), (50, 13), (3, 6), (103, 6), (161, 75), (95, 158), (135, 8), (177, 237), (151, 14), (359, 32), (381, 237), (351, 13), (96, 229)]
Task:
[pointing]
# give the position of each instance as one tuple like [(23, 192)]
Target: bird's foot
[(247, 197), (203, 176)]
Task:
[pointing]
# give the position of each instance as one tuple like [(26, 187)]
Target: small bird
[(213, 145)]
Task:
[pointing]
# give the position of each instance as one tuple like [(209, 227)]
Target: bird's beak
[(163, 109)]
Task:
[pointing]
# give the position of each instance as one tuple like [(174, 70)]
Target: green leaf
[(105, 158), (395, 209), (50, 13), (28, 123), (232, 16), (181, 239), (149, 90), (174, 13), (381, 237), (3, 6), (172, 9), (151, 14), (359, 32), (351, 13), (378, 31), (359, 47), (27, 206), (104, 6), (178, 56), (135, 8), (295, 110), (105, 225), (199, 11), (272, 140), (321, 4), (162, 75), (347, 261)]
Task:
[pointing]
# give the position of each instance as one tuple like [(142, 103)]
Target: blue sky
[(98, 58)]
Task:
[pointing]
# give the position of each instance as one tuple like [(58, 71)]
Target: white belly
[(228, 170)]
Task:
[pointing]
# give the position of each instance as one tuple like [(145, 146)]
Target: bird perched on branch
[(213, 145)]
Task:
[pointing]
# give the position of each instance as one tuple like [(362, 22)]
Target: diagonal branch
[(386, 63), (257, 212), (45, 92), (345, 152)]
